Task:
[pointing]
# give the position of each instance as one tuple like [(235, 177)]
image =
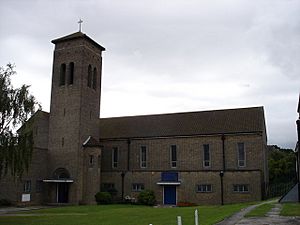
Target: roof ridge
[(184, 113), (77, 35)]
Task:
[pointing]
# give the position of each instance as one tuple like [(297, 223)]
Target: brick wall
[(189, 166)]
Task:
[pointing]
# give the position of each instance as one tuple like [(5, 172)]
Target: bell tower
[(74, 111)]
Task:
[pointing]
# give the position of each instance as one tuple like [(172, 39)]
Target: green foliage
[(260, 210), (282, 164), (147, 197), (290, 209), (112, 191), (103, 198), (5, 202), (16, 106)]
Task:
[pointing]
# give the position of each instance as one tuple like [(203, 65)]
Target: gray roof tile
[(242, 120)]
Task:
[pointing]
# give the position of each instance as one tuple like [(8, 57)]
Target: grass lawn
[(260, 211), (290, 209), (122, 215)]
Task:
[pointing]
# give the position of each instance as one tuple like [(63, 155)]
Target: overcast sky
[(169, 56)]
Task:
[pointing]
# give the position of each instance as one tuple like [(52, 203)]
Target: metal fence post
[(179, 220), (196, 217)]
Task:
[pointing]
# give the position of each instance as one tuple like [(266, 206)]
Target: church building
[(205, 157)]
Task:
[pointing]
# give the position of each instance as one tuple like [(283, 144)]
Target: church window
[(241, 155), (241, 188), (106, 187), (95, 78), (62, 142), (138, 187), (89, 79), (173, 156), (143, 157), (62, 78), (204, 188), (91, 160), (71, 73), (115, 157), (206, 155), (27, 186)]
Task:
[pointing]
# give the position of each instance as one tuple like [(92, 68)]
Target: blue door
[(170, 195)]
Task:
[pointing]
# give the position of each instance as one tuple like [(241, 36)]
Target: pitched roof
[(91, 142), (241, 120), (78, 35)]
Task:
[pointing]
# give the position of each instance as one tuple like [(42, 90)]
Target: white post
[(179, 220), (196, 217)]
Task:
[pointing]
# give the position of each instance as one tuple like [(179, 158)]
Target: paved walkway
[(20, 209), (272, 217)]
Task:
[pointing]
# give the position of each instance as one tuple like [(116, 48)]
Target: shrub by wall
[(103, 198), (147, 197)]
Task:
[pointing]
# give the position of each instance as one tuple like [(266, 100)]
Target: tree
[(16, 106), (282, 165)]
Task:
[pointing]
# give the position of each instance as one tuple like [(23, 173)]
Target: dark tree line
[(282, 165)]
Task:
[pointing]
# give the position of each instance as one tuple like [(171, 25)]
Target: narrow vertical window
[(173, 154), (241, 155), (27, 186), (95, 78), (62, 142), (71, 73), (89, 78), (143, 157), (62, 77), (206, 155), (115, 157), (91, 160)]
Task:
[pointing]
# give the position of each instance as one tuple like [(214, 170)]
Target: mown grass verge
[(290, 209), (260, 211), (122, 214)]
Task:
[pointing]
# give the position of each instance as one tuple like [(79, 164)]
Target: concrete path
[(272, 217), (20, 209)]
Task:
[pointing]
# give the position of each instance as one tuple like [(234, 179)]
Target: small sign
[(25, 197)]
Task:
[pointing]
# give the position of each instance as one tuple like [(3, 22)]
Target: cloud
[(169, 56)]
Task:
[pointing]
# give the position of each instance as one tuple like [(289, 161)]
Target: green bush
[(103, 198), (5, 202), (147, 197)]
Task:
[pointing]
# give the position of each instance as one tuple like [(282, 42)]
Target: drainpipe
[(223, 151), (222, 187), (222, 171), (128, 154), (123, 176)]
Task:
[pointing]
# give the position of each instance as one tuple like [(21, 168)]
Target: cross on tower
[(80, 22)]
